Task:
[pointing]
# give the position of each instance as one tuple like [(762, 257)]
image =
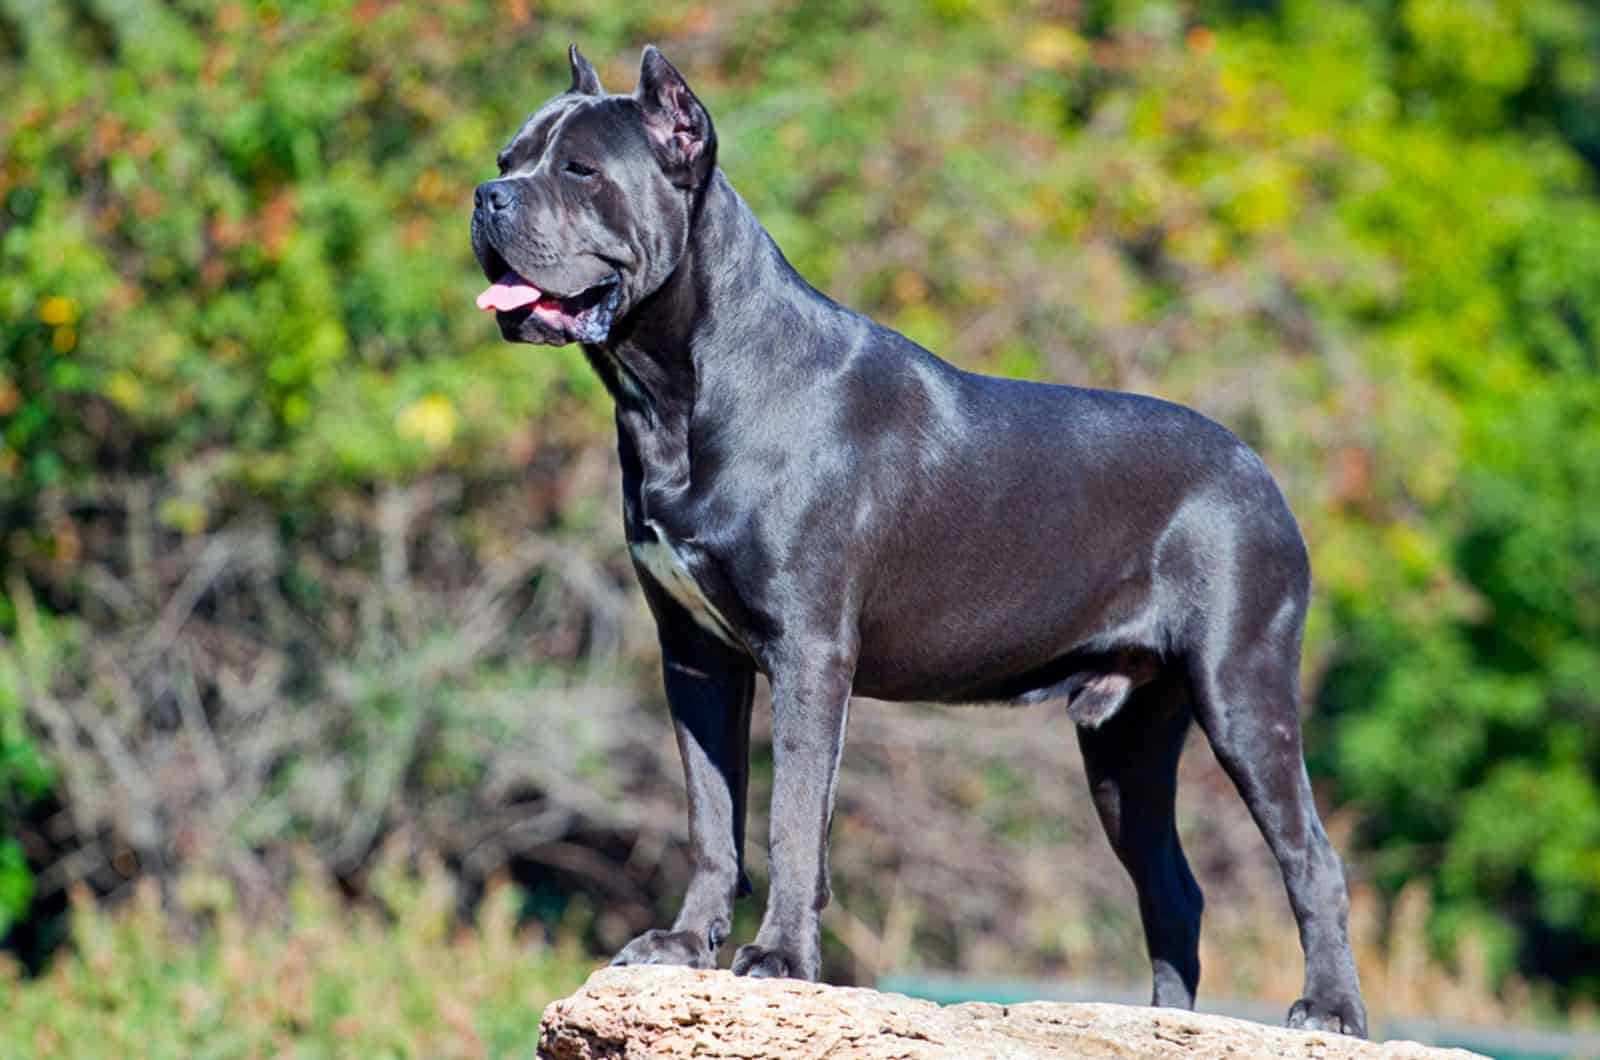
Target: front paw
[(1342, 1017), (659, 946), (773, 962)]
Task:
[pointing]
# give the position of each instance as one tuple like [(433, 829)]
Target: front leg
[(709, 689), (810, 705)]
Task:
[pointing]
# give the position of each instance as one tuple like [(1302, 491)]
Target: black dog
[(815, 497)]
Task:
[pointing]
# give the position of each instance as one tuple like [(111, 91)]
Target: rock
[(675, 1012)]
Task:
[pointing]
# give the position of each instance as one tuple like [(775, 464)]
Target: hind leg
[(1247, 701), (1132, 765)]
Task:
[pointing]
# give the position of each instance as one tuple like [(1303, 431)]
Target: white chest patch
[(669, 570)]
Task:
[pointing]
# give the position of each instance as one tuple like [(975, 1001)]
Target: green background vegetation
[(292, 544)]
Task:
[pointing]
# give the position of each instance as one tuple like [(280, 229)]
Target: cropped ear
[(585, 82), (678, 126)]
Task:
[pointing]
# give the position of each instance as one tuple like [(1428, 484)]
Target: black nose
[(494, 196)]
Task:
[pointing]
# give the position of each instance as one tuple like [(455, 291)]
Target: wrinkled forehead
[(589, 125)]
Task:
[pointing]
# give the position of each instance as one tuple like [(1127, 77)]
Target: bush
[(401, 980)]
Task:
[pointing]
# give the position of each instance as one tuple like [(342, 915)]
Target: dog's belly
[(977, 673), (984, 644)]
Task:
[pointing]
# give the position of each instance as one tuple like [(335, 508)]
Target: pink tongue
[(509, 292)]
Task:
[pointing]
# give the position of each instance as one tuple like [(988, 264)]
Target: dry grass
[(322, 979)]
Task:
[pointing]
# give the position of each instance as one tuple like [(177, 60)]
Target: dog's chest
[(670, 566)]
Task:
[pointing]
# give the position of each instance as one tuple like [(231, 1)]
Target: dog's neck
[(710, 319), (730, 278)]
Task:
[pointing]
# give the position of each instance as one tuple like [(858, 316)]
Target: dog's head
[(590, 213)]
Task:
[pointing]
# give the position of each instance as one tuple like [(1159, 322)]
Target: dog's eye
[(502, 160), (572, 167)]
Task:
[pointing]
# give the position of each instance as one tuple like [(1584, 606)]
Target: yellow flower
[(125, 390), (430, 420), (57, 310), (1055, 46)]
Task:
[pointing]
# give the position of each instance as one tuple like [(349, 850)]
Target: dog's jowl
[(814, 497)]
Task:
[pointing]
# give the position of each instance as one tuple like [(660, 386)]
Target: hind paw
[(1342, 1017)]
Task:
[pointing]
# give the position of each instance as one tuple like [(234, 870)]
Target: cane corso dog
[(811, 496)]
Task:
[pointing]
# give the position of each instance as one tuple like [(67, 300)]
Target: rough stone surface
[(673, 1012)]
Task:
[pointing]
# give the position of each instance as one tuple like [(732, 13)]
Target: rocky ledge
[(674, 1012)]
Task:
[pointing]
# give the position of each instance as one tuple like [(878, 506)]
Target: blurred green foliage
[(321, 982), (1364, 233), (26, 773), (234, 245)]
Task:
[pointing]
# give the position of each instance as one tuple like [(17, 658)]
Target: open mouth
[(582, 317)]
